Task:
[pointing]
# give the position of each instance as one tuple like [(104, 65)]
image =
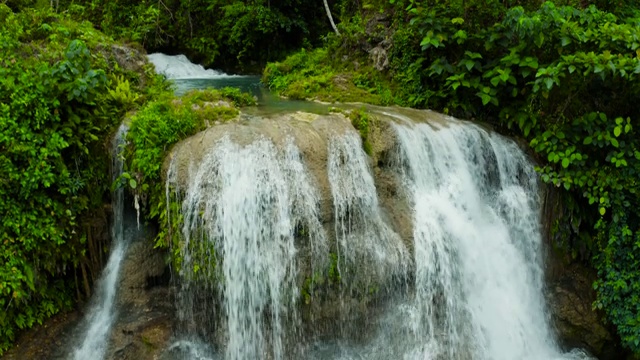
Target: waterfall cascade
[(478, 245), (242, 207), (101, 314), (466, 283), (371, 249), (179, 67)]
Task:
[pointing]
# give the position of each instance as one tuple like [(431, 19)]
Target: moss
[(361, 120), (320, 281), (147, 342), (334, 271), (315, 76)]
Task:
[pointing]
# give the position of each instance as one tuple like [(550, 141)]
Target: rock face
[(145, 302), (570, 295)]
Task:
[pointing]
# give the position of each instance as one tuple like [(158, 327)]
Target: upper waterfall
[(179, 67)]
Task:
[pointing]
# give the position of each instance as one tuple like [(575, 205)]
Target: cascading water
[(473, 289), (477, 243), (179, 67), (373, 252), (242, 208), (102, 311)]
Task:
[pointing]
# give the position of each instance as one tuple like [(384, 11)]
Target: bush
[(58, 108)]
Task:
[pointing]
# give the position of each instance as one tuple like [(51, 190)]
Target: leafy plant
[(57, 110)]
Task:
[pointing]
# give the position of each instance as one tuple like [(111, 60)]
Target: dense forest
[(563, 76)]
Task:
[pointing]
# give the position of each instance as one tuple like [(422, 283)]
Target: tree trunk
[(333, 25)]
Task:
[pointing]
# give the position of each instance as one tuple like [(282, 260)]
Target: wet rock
[(145, 303), (379, 58), (570, 296)]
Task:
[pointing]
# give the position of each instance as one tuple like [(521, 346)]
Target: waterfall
[(477, 245), (179, 67), (102, 313), (246, 212), (372, 251), (270, 208)]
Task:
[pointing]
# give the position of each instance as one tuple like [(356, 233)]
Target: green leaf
[(614, 142), (133, 183), (565, 163), (617, 131), (539, 39), (603, 211), (485, 98), (588, 140)]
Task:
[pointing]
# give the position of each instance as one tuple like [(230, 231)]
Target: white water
[(241, 209), (366, 243), (102, 312), (477, 239), (476, 271), (179, 67)]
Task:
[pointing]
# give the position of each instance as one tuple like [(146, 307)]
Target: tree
[(333, 25)]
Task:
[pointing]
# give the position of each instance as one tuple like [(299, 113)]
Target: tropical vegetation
[(562, 75)]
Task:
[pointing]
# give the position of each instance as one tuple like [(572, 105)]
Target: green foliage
[(312, 75), (225, 33), (57, 107), (361, 121)]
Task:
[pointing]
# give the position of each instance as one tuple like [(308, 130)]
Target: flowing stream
[(101, 313), (468, 284)]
